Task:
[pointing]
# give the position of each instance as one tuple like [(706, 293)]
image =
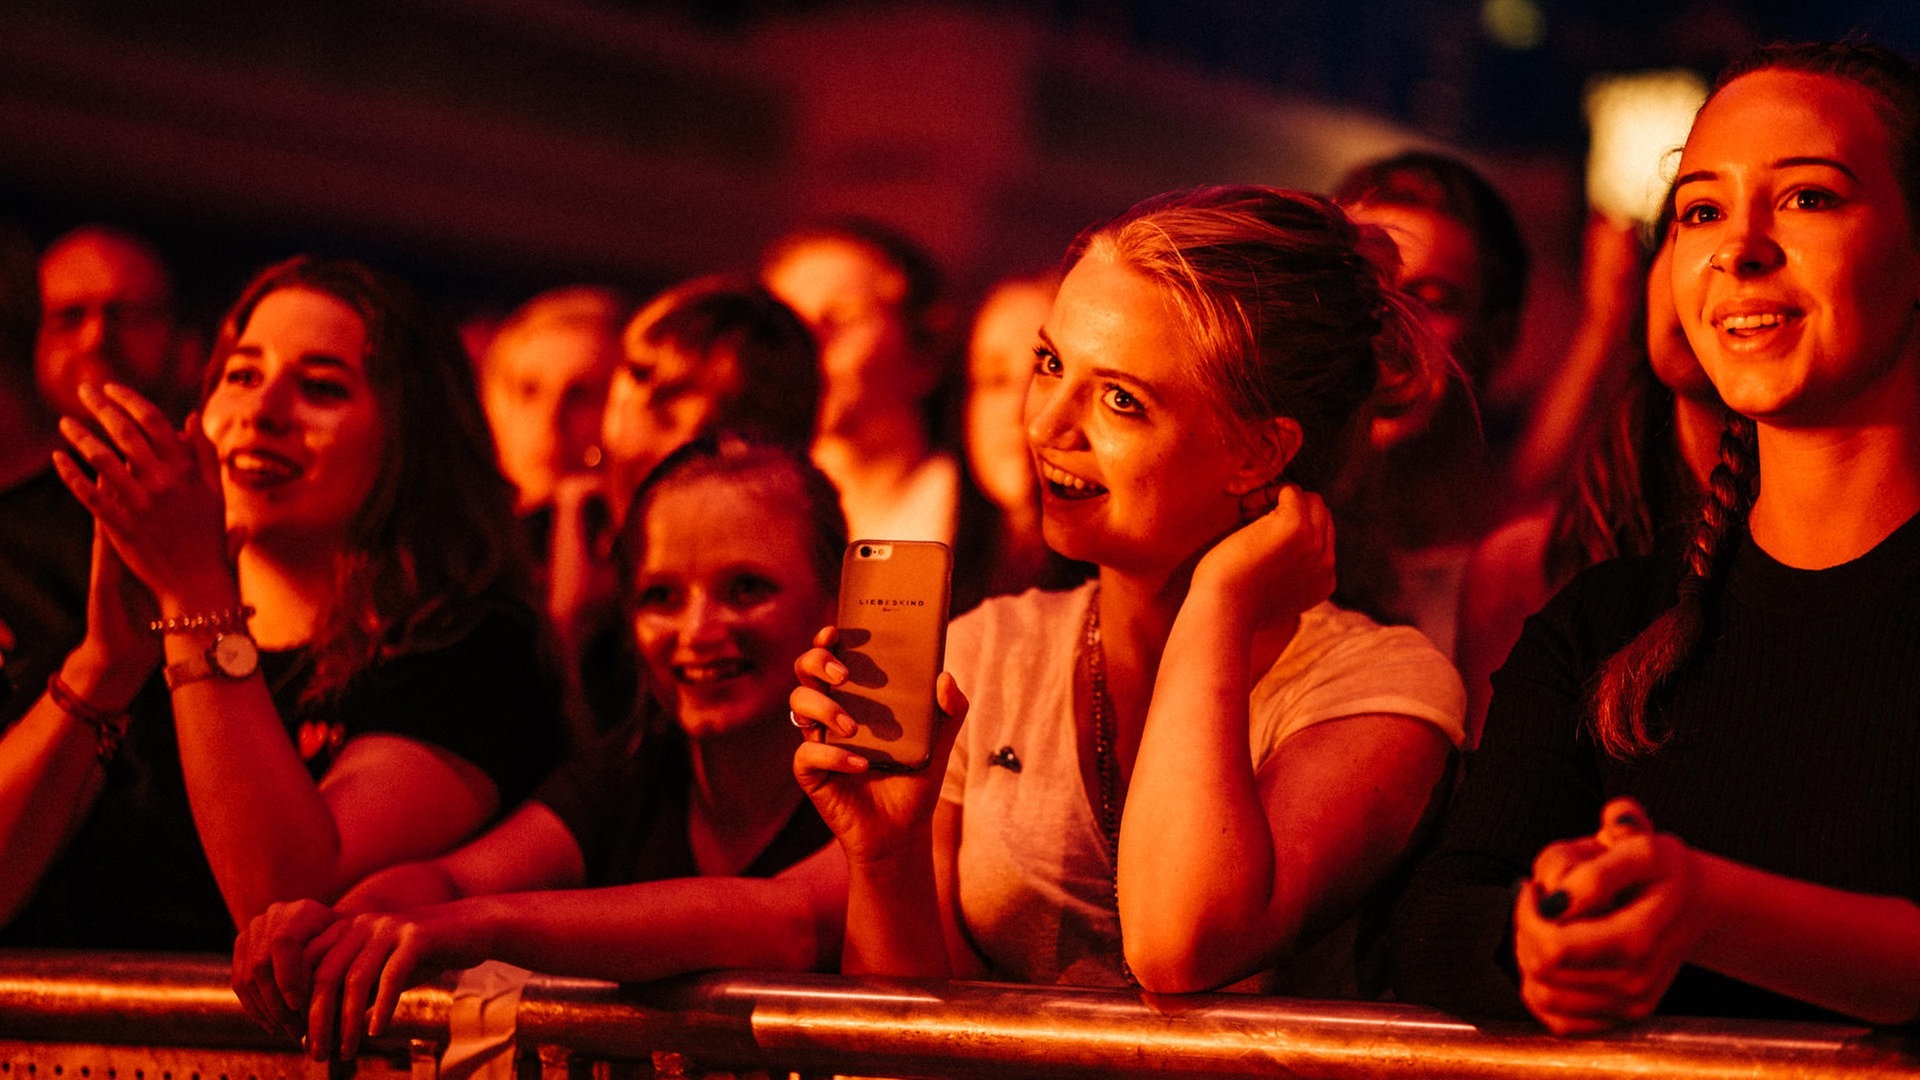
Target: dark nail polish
[(1631, 820), (1553, 904)]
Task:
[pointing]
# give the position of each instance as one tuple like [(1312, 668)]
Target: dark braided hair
[(1622, 687), (1630, 677)]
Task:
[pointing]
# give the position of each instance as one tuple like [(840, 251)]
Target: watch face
[(234, 655)]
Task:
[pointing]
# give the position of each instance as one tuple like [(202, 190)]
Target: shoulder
[(1341, 663), (1606, 604)]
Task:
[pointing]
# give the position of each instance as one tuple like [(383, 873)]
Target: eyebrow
[(1783, 163)]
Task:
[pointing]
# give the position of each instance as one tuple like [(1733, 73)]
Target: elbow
[(1187, 963)]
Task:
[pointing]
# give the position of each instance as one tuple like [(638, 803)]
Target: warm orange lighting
[(1637, 121)]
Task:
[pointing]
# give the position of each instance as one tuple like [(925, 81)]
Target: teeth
[(1753, 322), (713, 672), (1073, 484), (262, 465)]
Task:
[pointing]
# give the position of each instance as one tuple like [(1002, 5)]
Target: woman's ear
[(1267, 448)]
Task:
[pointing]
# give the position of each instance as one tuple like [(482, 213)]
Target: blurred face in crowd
[(999, 365), (1440, 268), (106, 316), (1795, 269), (659, 400), (724, 600), (1674, 364), (545, 388), (1135, 460), (294, 421), (851, 300)]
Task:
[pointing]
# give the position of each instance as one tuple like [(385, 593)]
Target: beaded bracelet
[(220, 622), (109, 729)]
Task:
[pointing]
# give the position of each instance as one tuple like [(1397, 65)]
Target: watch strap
[(193, 669)]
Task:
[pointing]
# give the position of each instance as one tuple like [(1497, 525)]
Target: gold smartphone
[(893, 641)]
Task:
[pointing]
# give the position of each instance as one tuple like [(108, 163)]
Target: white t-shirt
[(1035, 877), (923, 507)]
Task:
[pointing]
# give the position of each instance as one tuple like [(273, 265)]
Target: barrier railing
[(94, 1016)]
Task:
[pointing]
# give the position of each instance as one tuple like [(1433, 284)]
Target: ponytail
[(1630, 677)]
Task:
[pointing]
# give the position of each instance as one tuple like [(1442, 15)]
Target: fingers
[(395, 978), (338, 953), (244, 988), (818, 670), (1609, 880), (300, 922), (362, 978), (111, 482), (129, 438), (813, 706), (150, 429), (816, 763), (1622, 819), (818, 664)]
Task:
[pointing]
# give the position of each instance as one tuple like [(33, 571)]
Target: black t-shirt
[(1795, 748), (624, 799), (135, 876), (46, 540)]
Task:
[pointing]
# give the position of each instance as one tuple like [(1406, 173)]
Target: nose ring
[(1713, 262)]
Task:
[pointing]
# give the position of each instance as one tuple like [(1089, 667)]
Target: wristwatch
[(232, 656)]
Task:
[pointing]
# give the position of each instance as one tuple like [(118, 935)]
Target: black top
[(134, 876), (625, 802), (46, 540), (1795, 748)]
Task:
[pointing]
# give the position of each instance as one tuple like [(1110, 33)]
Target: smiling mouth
[(1065, 485), (261, 469), (1749, 325), (1751, 320), (713, 672)]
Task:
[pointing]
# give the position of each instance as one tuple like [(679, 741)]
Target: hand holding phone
[(892, 641)]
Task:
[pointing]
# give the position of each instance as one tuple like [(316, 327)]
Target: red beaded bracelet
[(109, 729)]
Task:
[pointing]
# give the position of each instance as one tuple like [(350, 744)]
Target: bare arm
[(48, 780), (1850, 952), (625, 933), (50, 773), (1262, 861)]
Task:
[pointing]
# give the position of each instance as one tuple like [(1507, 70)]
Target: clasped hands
[(303, 970), (1605, 923)]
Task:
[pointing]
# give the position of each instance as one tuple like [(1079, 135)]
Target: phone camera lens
[(865, 551)]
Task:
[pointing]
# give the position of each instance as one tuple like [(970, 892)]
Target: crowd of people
[(368, 651)]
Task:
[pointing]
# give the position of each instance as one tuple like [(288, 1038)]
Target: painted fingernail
[(1553, 905), (836, 671), (856, 761)]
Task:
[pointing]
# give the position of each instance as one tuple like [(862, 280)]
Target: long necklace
[(1105, 757)]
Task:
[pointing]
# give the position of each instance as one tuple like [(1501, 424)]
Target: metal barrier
[(95, 1016)]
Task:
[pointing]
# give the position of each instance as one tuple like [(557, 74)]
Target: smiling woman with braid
[(1758, 699)]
